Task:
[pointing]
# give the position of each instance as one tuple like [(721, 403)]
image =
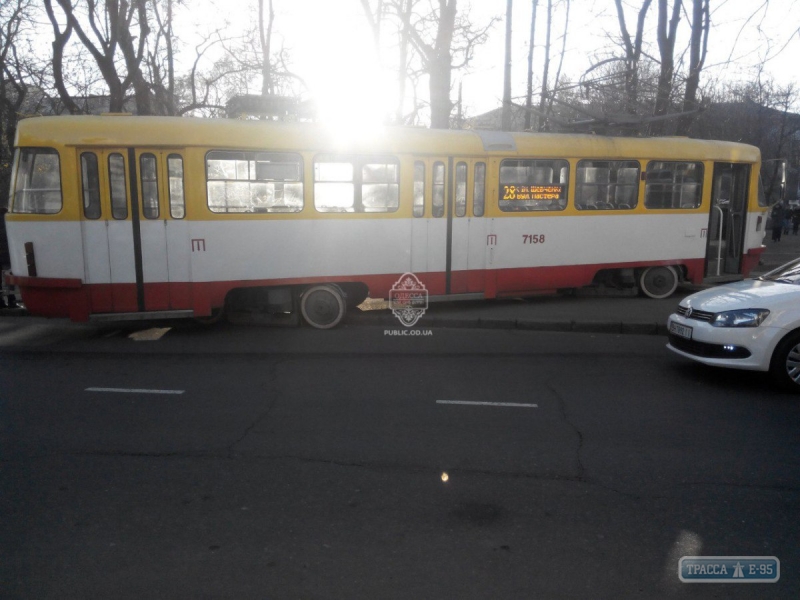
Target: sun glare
[(352, 93), (352, 106)]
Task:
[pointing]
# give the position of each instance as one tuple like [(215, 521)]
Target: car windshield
[(788, 273)]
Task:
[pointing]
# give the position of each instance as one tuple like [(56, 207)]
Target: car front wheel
[(785, 366)]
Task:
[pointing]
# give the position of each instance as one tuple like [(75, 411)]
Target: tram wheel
[(323, 306), (658, 282)]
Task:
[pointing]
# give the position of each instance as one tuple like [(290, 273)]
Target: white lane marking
[(133, 391), (513, 404)]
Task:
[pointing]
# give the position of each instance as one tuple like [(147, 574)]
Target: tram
[(122, 217)]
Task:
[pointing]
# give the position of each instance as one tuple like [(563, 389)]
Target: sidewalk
[(586, 311), (582, 312)]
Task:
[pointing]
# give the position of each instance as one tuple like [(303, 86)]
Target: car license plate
[(680, 330)]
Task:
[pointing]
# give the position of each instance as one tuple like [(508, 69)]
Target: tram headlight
[(746, 317)]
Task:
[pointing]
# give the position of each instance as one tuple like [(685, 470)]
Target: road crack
[(271, 383), (562, 408)]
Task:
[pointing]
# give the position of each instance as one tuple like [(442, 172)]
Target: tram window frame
[(438, 189), (148, 181), (31, 200), (460, 192), (248, 187), (559, 166), (419, 189), (479, 189), (672, 187), (119, 204), (609, 189), (90, 186), (177, 192), (388, 185), (352, 183)]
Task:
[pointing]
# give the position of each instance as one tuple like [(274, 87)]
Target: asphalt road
[(307, 464)]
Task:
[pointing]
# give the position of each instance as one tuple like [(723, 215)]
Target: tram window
[(479, 189), (356, 184), (90, 177), (116, 179), (380, 188), (253, 182), (37, 188), (334, 188), (438, 189), (533, 185), (149, 180), (673, 185), (605, 184), (419, 189), (461, 189), (177, 202)]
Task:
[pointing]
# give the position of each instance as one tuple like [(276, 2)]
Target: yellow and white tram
[(121, 216)]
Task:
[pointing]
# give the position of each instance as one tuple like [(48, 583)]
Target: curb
[(388, 321), (614, 327)]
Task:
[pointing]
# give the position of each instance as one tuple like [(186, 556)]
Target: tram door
[(727, 221), (448, 236), (130, 199)]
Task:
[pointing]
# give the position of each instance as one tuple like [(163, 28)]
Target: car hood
[(750, 293)]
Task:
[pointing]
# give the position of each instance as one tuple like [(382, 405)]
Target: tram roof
[(174, 132)]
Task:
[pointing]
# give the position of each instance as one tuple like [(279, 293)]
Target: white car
[(752, 324)]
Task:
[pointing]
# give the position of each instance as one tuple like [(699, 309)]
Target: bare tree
[(698, 48), (666, 34), (402, 66), (633, 53), (15, 18), (444, 41), (557, 81), (546, 67), (115, 34), (161, 58), (374, 20), (60, 39), (265, 39)]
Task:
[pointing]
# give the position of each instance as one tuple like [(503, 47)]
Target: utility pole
[(507, 74)]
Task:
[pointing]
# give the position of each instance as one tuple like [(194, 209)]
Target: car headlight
[(746, 317)]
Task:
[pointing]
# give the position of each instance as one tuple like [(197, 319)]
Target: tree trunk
[(666, 47), (60, 39), (265, 37), (440, 91), (697, 55), (545, 72), (401, 71), (560, 63), (633, 52), (441, 68), (529, 94)]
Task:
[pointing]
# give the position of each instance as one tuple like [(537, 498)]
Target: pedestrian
[(786, 224), (776, 218), (5, 263), (796, 222)]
